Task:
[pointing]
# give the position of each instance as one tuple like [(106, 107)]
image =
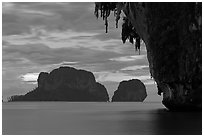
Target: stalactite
[(128, 31)]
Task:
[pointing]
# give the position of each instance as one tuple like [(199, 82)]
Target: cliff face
[(172, 34), (130, 91), (66, 84)]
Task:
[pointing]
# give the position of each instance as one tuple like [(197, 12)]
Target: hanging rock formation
[(130, 91), (66, 84), (172, 33)]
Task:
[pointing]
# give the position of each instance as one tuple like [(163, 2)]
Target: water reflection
[(163, 122), (177, 123), (65, 118)]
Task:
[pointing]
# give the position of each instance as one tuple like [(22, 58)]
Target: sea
[(97, 118)]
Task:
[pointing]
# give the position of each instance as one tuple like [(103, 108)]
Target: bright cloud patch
[(30, 78), (137, 67), (129, 58), (65, 63)]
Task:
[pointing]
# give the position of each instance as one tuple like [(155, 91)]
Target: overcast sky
[(43, 36)]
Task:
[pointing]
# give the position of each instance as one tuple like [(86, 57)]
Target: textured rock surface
[(172, 33), (66, 84), (130, 91)]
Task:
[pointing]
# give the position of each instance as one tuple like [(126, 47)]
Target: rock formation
[(66, 84), (130, 91), (172, 33)]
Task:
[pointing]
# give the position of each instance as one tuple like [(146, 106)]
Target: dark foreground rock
[(66, 84), (172, 33), (130, 91)]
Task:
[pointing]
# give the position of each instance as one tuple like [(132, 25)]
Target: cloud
[(30, 78), (129, 58), (51, 38), (18, 9), (40, 54), (112, 77), (53, 16), (117, 76), (65, 39), (19, 19), (30, 19), (65, 63), (137, 67), (112, 34)]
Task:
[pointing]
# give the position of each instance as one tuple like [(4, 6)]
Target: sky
[(40, 37)]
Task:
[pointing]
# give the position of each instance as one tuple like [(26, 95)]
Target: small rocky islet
[(130, 91)]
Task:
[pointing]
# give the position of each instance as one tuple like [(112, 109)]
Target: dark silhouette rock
[(172, 33), (66, 84), (42, 78), (130, 91)]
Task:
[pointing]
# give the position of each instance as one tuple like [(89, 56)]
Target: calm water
[(96, 118)]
